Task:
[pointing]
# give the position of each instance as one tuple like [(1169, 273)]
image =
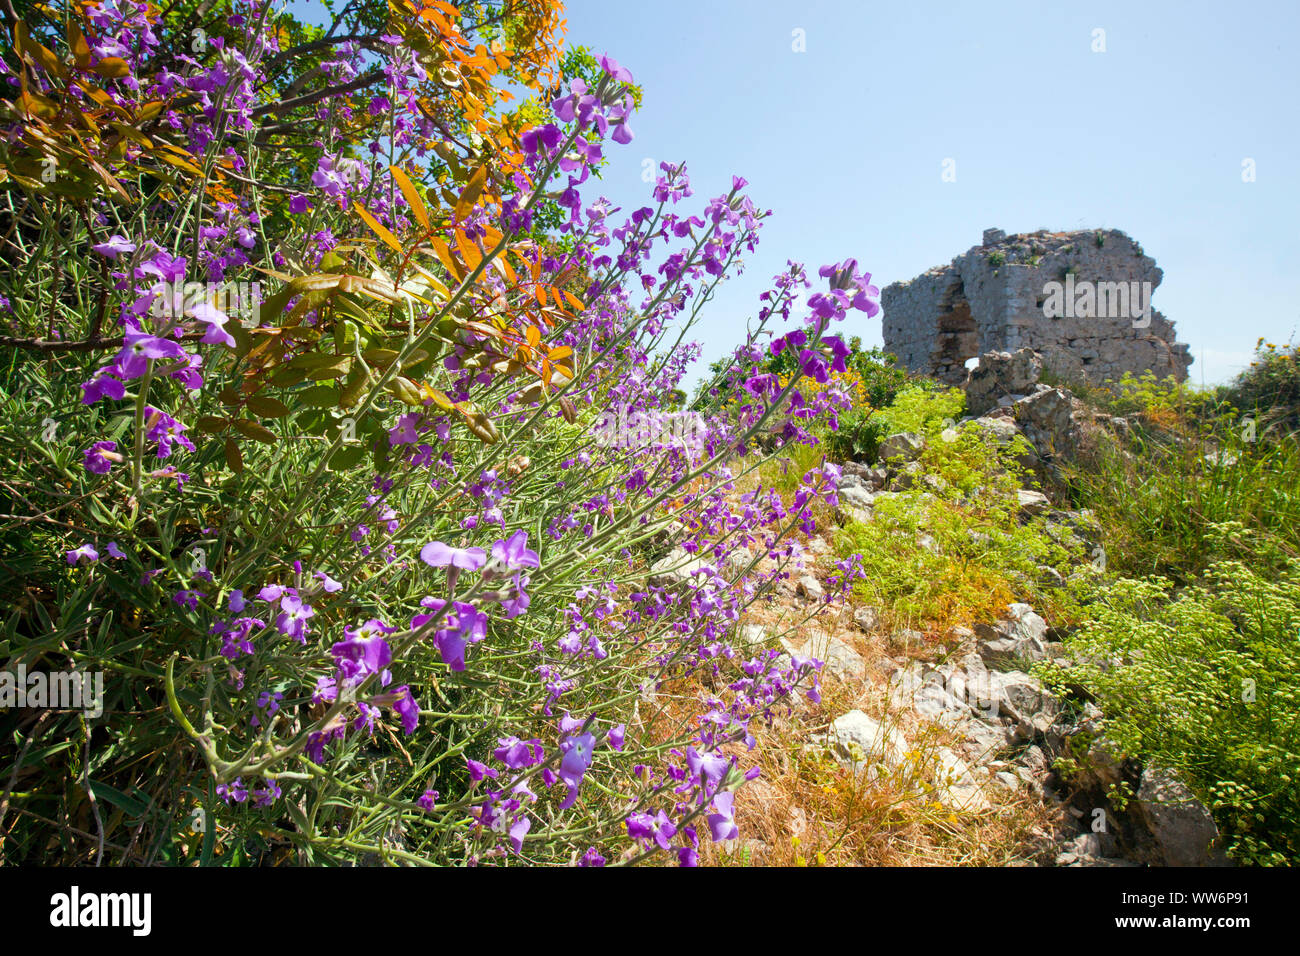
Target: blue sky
[(845, 142)]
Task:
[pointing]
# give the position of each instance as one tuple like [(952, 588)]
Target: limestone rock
[(1032, 502), (677, 569), (867, 618), (859, 740), (999, 375), (809, 587), (1020, 636), (903, 445), (1180, 824), (1046, 417)]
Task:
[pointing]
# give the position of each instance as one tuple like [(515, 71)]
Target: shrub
[(1207, 681), (1270, 388), (364, 571), (975, 557), (922, 408), (1158, 493)]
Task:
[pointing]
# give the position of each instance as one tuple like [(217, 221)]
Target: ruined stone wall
[(1074, 297)]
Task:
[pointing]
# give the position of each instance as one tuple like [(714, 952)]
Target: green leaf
[(318, 396), (346, 458), (117, 798)]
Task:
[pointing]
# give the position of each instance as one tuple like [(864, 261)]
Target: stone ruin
[(1082, 300)]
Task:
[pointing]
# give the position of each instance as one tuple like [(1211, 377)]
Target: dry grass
[(806, 809)]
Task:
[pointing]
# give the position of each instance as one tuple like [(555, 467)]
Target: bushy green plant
[(364, 569), (922, 408), (1270, 388), (1206, 680), (952, 550), (1157, 494)]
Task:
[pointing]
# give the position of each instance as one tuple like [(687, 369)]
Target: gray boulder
[(1000, 375), (904, 446), (1179, 823)]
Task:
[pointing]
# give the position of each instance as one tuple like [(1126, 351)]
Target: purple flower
[(614, 71), (405, 706), (164, 266), (328, 584), (723, 823), (264, 797), (189, 599), (518, 754), (514, 552), (478, 771), (86, 551), (214, 320), (115, 246), (518, 602), (440, 555), (299, 205), (233, 791), (139, 348), (114, 551), (293, 617), (518, 830), (102, 385), (166, 431), (615, 736), (428, 800), (709, 768), (405, 432), (332, 175), (576, 760), (101, 456), (548, 136), (365, 652), (642, 826)]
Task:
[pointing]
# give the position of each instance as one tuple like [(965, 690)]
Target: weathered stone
[(809, 587), (997, 297), (956, 782), (1046, 417), (905, 446), (737, 561), (1032, 502), (1002, 430), (1180, 824), (1015, 698), (856, 496), (908, 638), (931, 700), (1020, 636), (858, 739), (867, 618), (1000, 375), (676, 569), (838, 655)]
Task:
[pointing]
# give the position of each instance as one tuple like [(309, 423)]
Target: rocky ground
[(991, 735)]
